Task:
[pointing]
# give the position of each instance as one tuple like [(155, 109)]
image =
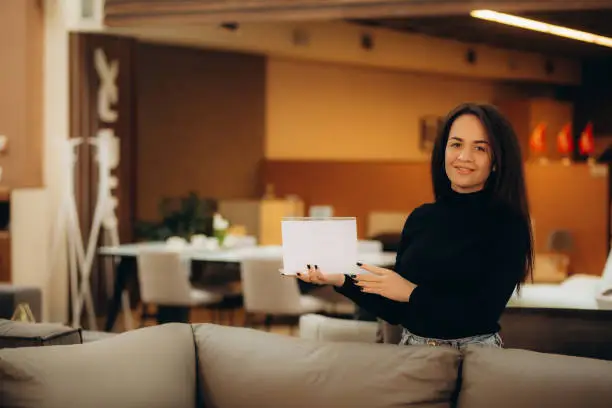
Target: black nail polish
[(308, 266), (359, 264), (298, 274), (316, 266)]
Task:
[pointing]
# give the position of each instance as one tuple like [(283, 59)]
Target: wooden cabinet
[(526, 114), (5, 257), (261, 218), (21, 88)]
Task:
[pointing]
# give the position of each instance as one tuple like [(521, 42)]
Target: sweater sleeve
[(386, 309), (391, 311)]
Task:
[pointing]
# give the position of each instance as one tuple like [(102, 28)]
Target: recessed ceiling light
[(534, 25)]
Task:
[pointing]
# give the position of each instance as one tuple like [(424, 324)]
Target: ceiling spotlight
[(539, 26)]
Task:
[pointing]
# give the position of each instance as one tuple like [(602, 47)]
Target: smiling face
[(468, 156)]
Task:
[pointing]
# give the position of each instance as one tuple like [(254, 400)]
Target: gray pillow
[(150, 367), (249, 368), (21, 334), (510, 378)]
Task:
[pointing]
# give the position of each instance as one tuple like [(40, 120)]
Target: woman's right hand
[(314, 275)]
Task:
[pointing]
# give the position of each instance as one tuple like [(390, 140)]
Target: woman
[(461, 257)]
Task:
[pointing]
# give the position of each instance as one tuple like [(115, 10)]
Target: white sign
[(108, 93), (107, 143), (329, 243)]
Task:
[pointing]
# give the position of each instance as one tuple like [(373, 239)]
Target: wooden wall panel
[(85, 121), (352, 188), (21, 80), (5, 257), (201, 121), (560, 197), (573, 198), (527, 113), (356, 113)]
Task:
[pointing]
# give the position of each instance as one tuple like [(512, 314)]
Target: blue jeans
[(487, 340)]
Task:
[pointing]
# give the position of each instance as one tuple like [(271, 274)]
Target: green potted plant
[(182, 217), (220, 227)]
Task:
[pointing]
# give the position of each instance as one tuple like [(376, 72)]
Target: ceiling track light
[(541, 27)]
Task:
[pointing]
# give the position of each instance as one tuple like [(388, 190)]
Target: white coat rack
[(67, 228), (80, 260)]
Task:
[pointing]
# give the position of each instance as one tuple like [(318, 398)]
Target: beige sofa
[(185, 366)]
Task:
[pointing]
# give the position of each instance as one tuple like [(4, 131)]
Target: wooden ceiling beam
[(156, 12)]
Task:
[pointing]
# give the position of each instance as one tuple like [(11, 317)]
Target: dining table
[(125, 256)]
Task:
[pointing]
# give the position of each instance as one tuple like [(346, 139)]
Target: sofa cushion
[(22, 334), (242, 367), (318, 327), (510, 378), (150, 367)]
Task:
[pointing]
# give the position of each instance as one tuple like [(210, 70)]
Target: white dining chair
[(267, 292), (369, 246), (246, 241), (336, 304), (163, 278)]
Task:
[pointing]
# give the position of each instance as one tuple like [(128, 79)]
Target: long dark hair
[(506, 183)]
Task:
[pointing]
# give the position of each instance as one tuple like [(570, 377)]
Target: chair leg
[(216, 315), (213, 314), (221, 317), (143, 315), (268, 322)]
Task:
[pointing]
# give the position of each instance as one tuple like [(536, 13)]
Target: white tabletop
[(233, 255)]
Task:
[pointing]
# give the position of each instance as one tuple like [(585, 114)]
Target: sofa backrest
[(150, 367), (511, 378), (245, 367), (228, 367)]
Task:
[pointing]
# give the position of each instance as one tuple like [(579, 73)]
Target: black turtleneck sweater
[(466, 255)]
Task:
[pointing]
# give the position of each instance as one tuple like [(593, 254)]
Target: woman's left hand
[(385, 282)]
